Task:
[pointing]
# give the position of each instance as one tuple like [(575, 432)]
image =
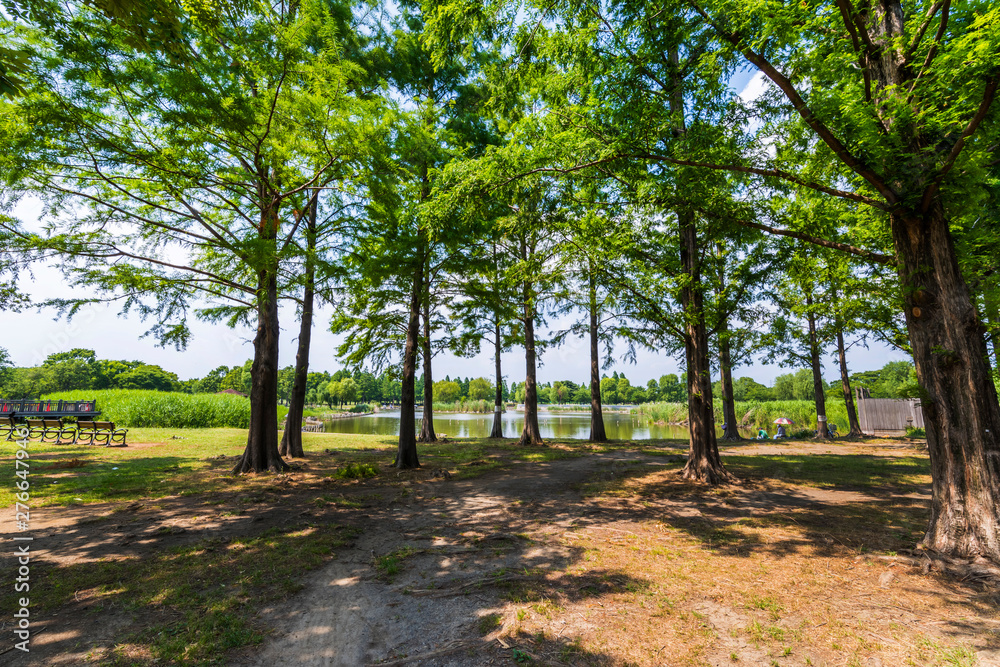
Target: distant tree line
[(81, 369)]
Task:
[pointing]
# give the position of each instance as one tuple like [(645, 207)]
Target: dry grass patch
[(766, 572)]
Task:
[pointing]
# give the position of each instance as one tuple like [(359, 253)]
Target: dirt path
[(460, 533)]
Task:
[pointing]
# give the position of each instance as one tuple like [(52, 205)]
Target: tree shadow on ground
[(423, 545)]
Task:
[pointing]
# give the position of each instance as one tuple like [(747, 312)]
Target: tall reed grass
[(753, 414), (464, 406), (146, 408)]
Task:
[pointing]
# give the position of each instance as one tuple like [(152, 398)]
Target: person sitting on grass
[(762, 435), (781, 432)]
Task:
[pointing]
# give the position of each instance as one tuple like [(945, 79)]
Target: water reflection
[(551, 425)]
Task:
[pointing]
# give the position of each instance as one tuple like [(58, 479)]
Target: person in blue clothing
[(781, 432)]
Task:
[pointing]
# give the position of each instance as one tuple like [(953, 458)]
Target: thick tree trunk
[(961, 412), (291, 439), (427, 421), (822, 429), (597, 432), (497, 431), (845, 383), (959, 400), (406, 454), (704, 463), (261, 453), (530, 435)]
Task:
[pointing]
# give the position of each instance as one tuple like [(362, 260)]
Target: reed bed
[(753, 414), (464, 406), (159, 409)]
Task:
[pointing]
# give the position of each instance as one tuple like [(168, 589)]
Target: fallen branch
[(445, 592), (447, 649)]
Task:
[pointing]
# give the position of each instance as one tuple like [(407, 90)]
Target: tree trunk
[(261, 453), (427, 421), (822, 429), (845, 383), (291, 439), (959, 400), (597, 432), (406, 454), (704, 463), (731, 430), (531, 435), (497, 431)]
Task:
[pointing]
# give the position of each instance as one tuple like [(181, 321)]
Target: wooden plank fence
[(888, 416)]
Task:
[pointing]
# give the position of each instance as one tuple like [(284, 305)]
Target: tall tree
[(907, 112), (291, 438), (483, 307), (202, 158)]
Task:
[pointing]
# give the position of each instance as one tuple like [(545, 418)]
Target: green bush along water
[(465, 405), (753, 414)]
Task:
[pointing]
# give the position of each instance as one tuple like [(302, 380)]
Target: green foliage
[(797, 386), (355, 470), (481, 389), (897, 379), (389, 565), (480, 406), (751, 414), (146, 408), (447, 391), (747, 389)]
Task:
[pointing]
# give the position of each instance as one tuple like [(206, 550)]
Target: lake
[(573, 425)]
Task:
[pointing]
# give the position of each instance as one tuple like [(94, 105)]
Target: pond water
[(551, 424)]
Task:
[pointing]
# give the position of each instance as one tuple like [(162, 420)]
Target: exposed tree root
[(701, 471), (980, 569)]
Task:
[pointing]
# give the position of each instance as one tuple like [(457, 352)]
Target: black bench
[(9, 426), (51, 430), (97, 433)]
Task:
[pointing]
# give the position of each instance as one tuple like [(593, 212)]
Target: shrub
[(752, 414), (914, 432), (464, 406), (361, 407), (159, 409), (671, 413), (357, 471)]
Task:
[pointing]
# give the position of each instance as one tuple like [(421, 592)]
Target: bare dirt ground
[(604, 559)]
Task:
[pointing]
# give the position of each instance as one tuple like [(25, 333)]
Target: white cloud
[(755, 87)]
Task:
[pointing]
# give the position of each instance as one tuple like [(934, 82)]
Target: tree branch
[(984, 107), (809, 238), (817, 126)]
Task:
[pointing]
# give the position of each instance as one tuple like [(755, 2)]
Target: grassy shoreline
[(752, 414)]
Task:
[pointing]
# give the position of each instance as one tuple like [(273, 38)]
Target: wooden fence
[(888, 416)]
